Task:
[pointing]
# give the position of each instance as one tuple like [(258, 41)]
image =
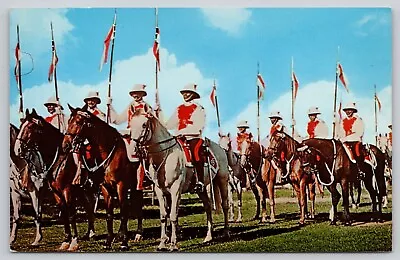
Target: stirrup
[(199, 187)]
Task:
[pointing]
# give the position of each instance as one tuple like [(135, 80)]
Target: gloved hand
[(109, 100), (58, 110)]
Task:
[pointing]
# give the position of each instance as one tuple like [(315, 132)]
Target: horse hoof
[(124, 247), (255, 218), (162, 249), (138, 238), (347, 223), (238, 221), (301, 224), (64, 246), (333, 223), (207, 239), (173, 248)]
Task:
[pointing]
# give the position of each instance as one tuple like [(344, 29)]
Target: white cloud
[(137, 69), (230, 20), (319, 93), (34, 26), (369, 23)]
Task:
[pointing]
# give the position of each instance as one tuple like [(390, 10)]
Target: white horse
[(19, 167), (172, 178)]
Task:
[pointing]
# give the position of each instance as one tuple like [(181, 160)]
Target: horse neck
[(159, 133), (324, 147), (231, 156), (103, 136), (49, 145), (255, 153), (290, 145)]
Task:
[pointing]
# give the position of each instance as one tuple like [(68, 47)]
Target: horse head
[(141, 130), (225, 141), (78, 123), (244, 150), (275, 145), (30, 135)]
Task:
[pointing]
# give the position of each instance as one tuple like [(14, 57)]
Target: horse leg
[(353, 202), (263, 198), (372, 193), (110, 215), (36, 203), (16, 201), (123, 229), (206, 202), (65, 219), (311, 194), (89, 204), (138, 209), (223, 186), (163, 218), (346, 204), (239, 201), (71, 209), (257, 197), (271, 196), (231, 204), (335, 201)]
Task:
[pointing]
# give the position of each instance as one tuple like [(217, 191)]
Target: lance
[(258, 104), (54, 61), (335, 97), (21, 102), (111, 63), (376, 116), (216, 106), (291, 75), (157, 96)]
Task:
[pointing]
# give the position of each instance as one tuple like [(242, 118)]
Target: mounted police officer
[(189, 120), (316, 127)]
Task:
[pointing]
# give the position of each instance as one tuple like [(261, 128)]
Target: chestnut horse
[(45, 140), (261, 175), (334, 166), (117, 173), (299, 177), (172, 178)]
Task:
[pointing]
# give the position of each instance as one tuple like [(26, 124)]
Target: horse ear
[(71, 108), (27, 112), (228, 135), (34, 112)]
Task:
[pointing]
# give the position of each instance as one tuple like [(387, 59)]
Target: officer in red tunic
[(316, 128), (277, 125), (91, 102), (242, 133), (351, 131), (138, 92), (189, 120), (56, 117)]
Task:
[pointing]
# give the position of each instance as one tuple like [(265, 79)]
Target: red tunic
[(132, 110), (96, 112), (390, 138), (184, 115), (348, 125), (241, 137), (50, 118), (274, 128), (311, 128)]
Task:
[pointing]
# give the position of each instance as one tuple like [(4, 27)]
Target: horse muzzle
[(18, 148)]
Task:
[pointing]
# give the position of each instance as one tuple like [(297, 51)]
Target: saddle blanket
[(213, 164), (369, 157)]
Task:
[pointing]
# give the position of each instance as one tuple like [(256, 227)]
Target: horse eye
[(144, 125)]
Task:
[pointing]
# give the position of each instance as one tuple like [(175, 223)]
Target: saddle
[(369, 156)]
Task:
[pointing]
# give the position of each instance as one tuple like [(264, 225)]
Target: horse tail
[(217, 198), (380, 171)]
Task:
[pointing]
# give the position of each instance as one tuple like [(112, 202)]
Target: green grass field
[(249, 236)]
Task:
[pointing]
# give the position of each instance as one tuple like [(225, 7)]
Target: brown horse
[(334, 166), (262, 177), (117, 173), (42, 138), (299, 177)]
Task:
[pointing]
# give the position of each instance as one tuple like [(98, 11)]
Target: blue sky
[(198, 45)]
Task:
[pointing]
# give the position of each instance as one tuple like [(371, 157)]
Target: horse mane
[(98, 122)]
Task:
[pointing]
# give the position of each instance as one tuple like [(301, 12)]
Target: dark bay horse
[(334, 166), (171, 176), (19, 171), (118, 174), (45, 140), (300, 178)]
